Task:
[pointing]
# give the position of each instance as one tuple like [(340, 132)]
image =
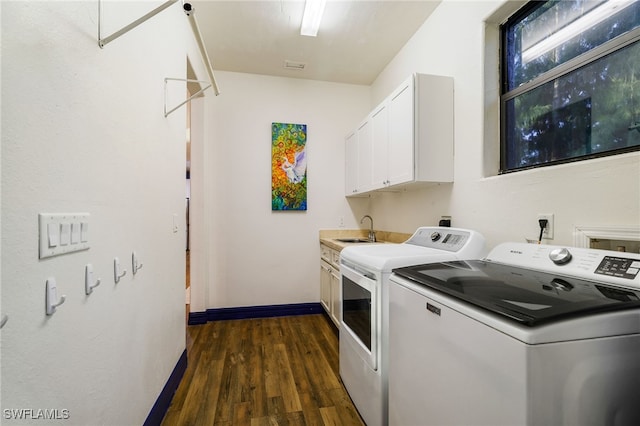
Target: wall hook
[(116, 270), (51, 297), (135, 265), (89, 284), (4, 320)]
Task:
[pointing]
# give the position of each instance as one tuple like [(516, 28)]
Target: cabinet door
[(401, 132), (380, 156), (365, 160), (351, 164), (336, 298), (325, 286)]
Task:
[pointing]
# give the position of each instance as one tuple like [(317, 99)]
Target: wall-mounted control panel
[(62, 233)]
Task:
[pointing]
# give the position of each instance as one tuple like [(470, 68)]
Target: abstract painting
[(288, 166)]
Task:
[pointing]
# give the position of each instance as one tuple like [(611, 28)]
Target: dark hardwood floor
[(270, 371)]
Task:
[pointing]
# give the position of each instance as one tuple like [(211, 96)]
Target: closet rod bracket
[(104, 41), (186, 80)]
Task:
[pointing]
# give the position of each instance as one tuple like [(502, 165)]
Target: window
[(570, 82)]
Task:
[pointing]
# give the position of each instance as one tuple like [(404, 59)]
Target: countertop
[(329, 237)]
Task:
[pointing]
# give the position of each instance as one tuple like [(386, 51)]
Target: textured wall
[(83, 130)]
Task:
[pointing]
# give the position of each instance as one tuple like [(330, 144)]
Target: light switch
[(53, 234), (84, 232), (75, 233), (65, 233)]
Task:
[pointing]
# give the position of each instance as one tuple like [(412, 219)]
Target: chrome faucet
[(372, 234)]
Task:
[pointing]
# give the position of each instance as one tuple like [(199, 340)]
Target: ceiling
[(356, 40)]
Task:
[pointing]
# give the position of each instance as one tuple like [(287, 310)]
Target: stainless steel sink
[(353, 240)]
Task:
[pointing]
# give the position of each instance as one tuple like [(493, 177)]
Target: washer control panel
[(440, 238), (463, 242), (599, 265)]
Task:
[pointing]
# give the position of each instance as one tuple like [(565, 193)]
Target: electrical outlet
[(548, 231)]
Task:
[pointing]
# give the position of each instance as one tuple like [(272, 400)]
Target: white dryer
[(364, 327)]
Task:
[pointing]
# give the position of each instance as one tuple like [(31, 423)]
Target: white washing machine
[(531, 335), (364, 325)]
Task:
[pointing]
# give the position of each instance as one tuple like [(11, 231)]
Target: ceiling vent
[(292, 65)]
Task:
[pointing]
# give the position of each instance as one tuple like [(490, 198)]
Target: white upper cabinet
[(400, 143), (380, 123), (358, 160), (365, 152), (407, 139), (351, 164)]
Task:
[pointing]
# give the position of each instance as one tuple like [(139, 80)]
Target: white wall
[(83, 130), (257, 256), (601, 192)]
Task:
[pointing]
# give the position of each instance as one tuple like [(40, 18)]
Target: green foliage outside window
[(571, 97)]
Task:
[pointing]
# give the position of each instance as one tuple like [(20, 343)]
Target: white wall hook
[(89, 284), (4, 320), (116, 270), (51, 297), (135, 265)]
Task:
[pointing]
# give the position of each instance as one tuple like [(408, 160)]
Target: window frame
[(554, 73)]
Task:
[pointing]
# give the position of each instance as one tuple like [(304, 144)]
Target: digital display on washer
[(452, 239), (526, 296), (619, 267)]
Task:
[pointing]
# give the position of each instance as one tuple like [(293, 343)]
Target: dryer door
[(359, 314)]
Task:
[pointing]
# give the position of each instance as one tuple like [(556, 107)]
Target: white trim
[(582, 235)]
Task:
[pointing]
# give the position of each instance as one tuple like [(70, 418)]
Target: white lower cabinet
[(325, 286), (330, 296), (336, 298)]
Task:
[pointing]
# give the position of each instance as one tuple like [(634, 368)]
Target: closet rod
[(190, 12), (103, 41)]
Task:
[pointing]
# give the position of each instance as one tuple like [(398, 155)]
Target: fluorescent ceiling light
[(581, 24), (313, 10)]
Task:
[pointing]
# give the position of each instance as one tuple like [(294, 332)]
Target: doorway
[(187, 210), (191, 88), (196, 246)]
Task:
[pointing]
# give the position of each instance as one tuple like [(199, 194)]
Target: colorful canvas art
[(288, 166)]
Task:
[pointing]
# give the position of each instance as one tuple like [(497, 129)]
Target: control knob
[(435, 236), (560, 256)]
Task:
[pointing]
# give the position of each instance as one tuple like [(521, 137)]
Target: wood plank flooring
[(269, 371)]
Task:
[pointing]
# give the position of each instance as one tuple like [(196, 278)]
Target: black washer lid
[(525, 296)]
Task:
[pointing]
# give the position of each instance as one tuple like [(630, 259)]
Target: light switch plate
[(59, 233)]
